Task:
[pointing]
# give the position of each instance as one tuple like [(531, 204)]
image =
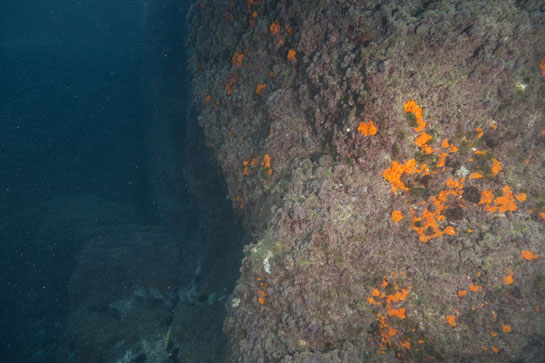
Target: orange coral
[(259, 88), (451, 320), (245, 169), (261, 296), (396, 170), (291, 55), (542, 66), (427, 225), (397, 216), (462, 293), (229, 85), (507, 328), (422, 139), (422, 142), (274, 28), (266, 161), (405, 344), (380, 298), (496, 166), (399, 312), (367, 128), (508, 280), (239, 199), (238, 58), (528, 255), (479, 132), (412, 107), (487, 196), (289, 29), (504, 203), (442, 159)]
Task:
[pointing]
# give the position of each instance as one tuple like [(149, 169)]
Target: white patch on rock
[(266, 263), (462, 172)]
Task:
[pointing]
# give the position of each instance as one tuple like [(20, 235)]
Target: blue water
[(70, 99), (79, 81), (71, 121)]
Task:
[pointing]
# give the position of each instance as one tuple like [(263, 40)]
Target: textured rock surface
[(329, 275)]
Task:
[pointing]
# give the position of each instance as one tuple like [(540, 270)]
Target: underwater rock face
[(387, 158)]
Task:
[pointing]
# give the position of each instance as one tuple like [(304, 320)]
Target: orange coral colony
[(508, 280), (396, 170), (367, 128), (451, 320), (259, 89), (397, 216), (266, 161), (528, 255), (274, 28), (229, 85), (291, 55), (238, 58), (428, 220), (388, 295), (500, 204), (542, 66), (422, 142), (412, 107)]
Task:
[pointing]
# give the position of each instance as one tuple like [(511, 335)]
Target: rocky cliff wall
[(387, 158)]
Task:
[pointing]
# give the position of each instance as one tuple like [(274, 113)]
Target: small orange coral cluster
[(274, 28), (240, 201), (427, 224), (261, 294), (528, 255), (238, 58), (394, 173), (412, 107), (542, 66), (397, 216), (291, 55), (389, 296), (266, 164), (367, 128), (472, 287), (422, 142), (259, 89), (503, 203), (229, 85)]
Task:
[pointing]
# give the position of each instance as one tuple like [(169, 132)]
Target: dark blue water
[(71, 121), (70, 101), (79, 86)]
